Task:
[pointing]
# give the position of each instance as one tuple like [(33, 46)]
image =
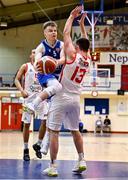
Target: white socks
[(39, 142), (36, 102), (25, 145), (81, 156), (46, 138)]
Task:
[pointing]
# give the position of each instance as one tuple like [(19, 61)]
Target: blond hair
[(49, 23)]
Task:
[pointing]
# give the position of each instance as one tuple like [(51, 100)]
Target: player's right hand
[(76, 12)]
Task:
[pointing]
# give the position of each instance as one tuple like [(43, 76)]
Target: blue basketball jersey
[(55, 53)]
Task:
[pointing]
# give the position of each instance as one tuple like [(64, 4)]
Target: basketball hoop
[(92, 21)]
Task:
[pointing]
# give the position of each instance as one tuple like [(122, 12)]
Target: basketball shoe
[(44, 149), (26, 156), (37, 148), (51, 171), (45, 144), (80, 167)]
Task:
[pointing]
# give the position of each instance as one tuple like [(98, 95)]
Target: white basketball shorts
[(41, 113), (64, 108)]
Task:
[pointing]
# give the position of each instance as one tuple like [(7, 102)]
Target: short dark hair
[(83, 44), (49, 23)]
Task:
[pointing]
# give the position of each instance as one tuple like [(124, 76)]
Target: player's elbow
[(66, 32), (16, 82)]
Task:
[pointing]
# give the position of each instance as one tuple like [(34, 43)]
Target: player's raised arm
[(82, 26), (83, 29), (68, 44)]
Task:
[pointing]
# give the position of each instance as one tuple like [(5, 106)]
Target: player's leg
[(42, 114), (26, 118), (54, 145), (53, 87), (54, 123), (45, 143), (72, 123), (46, 138), (78, 141), (37, 145)]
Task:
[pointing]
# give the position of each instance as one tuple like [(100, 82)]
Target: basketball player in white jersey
[(30, 89), (65, 106)]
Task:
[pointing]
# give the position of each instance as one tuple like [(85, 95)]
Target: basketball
[(46, 65)]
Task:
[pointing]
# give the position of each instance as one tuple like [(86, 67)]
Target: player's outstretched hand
[(76, 12), (81, 20)]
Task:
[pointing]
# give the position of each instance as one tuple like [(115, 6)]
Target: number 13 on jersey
[(78, 75)]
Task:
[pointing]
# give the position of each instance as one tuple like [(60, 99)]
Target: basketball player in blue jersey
[(53, 47)]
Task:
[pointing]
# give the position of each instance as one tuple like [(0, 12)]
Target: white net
[(97, 78)]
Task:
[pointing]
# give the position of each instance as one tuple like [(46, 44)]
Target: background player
[(65, 106), (29, 90)]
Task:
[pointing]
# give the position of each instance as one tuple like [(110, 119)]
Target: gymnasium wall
[(119, 117)]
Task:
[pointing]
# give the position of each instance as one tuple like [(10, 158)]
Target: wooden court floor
[(106, 156)]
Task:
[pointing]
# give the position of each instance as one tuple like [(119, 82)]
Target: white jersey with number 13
[(73, 74)]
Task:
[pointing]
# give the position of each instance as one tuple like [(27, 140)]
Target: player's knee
[(58, 87), (54, 133), (26, 125), (43, 122), (75, 133), (54, 89)]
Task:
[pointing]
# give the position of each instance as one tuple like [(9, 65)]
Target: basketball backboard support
[(92, 20)]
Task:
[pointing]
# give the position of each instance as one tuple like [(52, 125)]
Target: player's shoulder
[(28, 64), (40, 44), (23, 66), (40, 48), (61, 43)]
